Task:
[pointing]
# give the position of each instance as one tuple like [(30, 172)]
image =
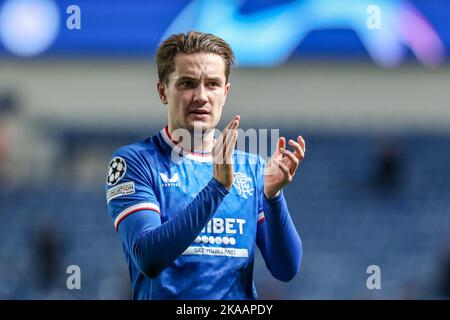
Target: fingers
[(234, 123), (299, 147), (228, 126), (281, 144), (223, 149), (302, 143), (283, 167), (217, 151), (230, 144), (294, 161), (230, 138)]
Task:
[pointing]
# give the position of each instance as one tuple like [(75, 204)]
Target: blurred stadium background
[(367, 83)]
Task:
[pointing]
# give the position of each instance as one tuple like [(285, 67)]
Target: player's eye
[(186, 84), (213, 84)]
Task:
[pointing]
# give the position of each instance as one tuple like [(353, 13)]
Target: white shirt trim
[(136, 207), (178, 150)]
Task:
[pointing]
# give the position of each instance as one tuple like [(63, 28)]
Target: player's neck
[(197, 141)]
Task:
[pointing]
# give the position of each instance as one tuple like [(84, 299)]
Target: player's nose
[(200, 95)]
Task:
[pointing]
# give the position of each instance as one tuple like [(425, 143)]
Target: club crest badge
[(243, 184)]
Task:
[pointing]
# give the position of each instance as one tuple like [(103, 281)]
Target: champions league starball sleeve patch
[(116, 170)]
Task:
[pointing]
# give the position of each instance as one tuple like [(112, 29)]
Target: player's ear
[(227, 89), (161, 87)]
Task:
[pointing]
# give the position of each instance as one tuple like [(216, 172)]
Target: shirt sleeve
[(129, 186), (276, 236), (153, 245)]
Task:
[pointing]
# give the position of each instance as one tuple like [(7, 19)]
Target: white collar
[(199, 157)]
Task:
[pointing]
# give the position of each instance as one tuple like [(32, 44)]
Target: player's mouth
[(199, 113)]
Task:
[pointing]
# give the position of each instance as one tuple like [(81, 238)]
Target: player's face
[(196, 91)]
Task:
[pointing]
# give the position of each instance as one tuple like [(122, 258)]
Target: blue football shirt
[(150, 176)]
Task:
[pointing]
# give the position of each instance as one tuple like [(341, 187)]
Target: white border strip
[(136, 207)]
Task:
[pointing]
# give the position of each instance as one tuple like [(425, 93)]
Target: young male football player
[(189, 211)]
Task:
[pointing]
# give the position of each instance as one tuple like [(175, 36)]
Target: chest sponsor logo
[(120, 190), (243, 184), (170, 182), (229, 226), (221, 233)]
